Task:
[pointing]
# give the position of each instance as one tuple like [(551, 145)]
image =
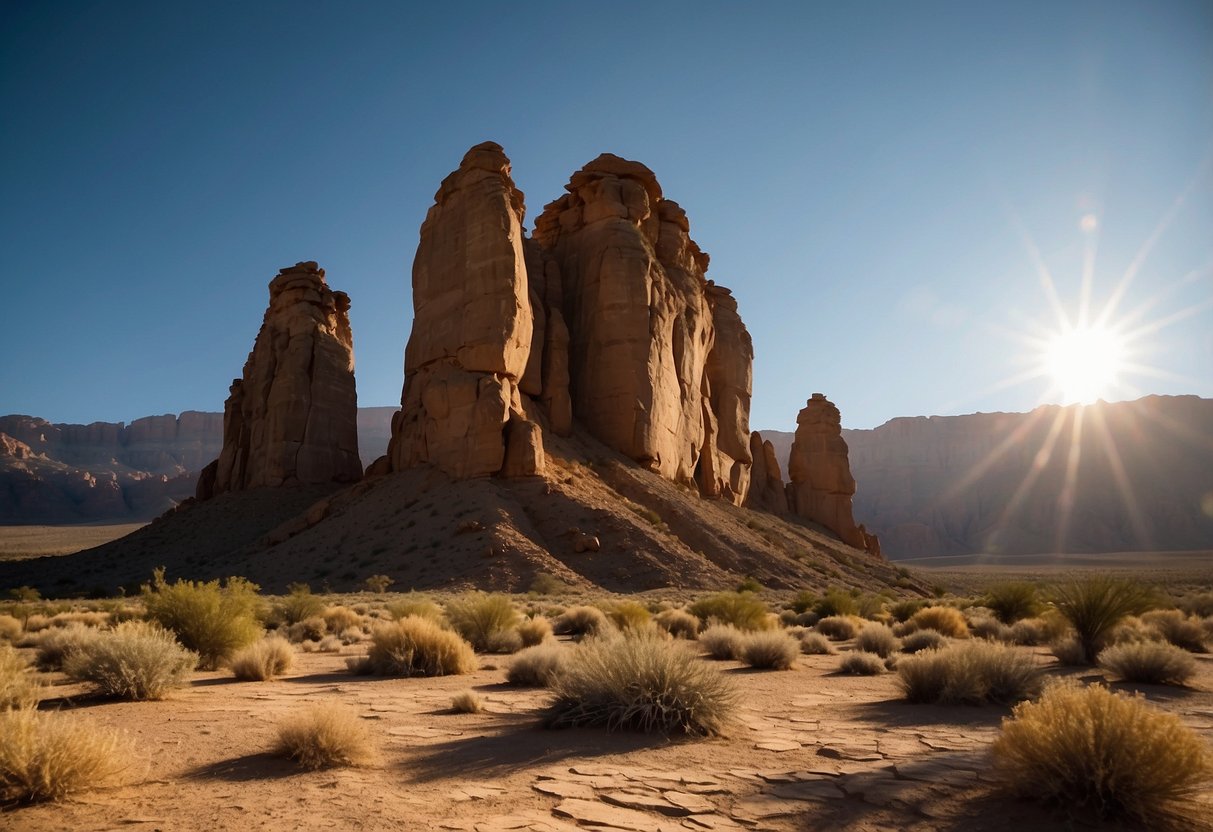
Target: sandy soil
[(810, 750), (20, 542)]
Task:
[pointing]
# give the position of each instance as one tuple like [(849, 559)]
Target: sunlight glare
[(1085, 363)]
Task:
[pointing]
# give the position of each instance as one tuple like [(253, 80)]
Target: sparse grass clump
[(678, 623), (770, 650), (1012, 601), (1030, 632), (19, 685), (415, 647), (137, 660), (467, 702), (861, 664), (414, 603), (946, 621), (339, 619), (1152, 663), (49, 756), (990, 628), (1091, 750), (10, 628), (722, 641), (212, 620), (971, 673), (920, 640), (741, 609), (878, 639), (643, 684), (537, 666), (581, 621), (837, 627), (1095, 605), (488, 621), (534, 631), (325, 736), (1178, 629), (629, 615), (815, 644), (263, 660)]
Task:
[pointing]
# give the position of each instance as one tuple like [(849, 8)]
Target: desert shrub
[(641, 683), (325, 736), (1198, 604), (212, 620), (19, 685), (815, 644), (487, 621), (537, 666), (263, 660), (1068, 651), (837, 627), (36, 622), (414, 603), (1177, 628), (628, 615), (137, 660), (803, 602), (970, 673), (903, 610), (415, 647), (467, 702), (861, 664), (769, 650), (378, 584), (741, 609), (947, 621), (48, 756), (581, 621), (871, 607), (534, 631), (836, 602), (54, 645), (920, 640), (878, 639), (352, 635), (1012, 601), (1154, 663), (1095, 605), (1029, 632), (339, 619), (722, 641), (546, 583), (1091, 750), (989, 627), (10, 628), (298, 604), (313, 628), (678, 623), (330, 644)]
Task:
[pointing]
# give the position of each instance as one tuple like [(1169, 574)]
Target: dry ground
[(811, 750), (20, 542)]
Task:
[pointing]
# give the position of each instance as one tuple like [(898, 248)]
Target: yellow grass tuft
[(48, 756), (263, 660), (467, 702), (19, 685), (770, 650), (326, 736), (416, 647)]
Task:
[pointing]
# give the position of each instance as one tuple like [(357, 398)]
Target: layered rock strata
[(293, 415)]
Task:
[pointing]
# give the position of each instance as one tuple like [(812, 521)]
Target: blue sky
[(864, 176)]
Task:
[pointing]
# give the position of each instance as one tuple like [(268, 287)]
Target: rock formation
[(292, 417), (822, 486), (767, 489)]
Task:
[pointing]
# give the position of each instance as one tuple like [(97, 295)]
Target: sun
[(1085, 363)]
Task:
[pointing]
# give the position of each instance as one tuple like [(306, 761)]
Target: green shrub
[(212, 620), (415, 647), (870, 607), (804, 601), (1012, 601), (641, 683), (838, 627), (920, 640), (861, 664), (678, 623), (486, 621), (414, 603), (815, 644), (1181, 630), (878, 639), (137, 660), (1095, 605), (946, 621), (1152, 663), (628, 615), (326, 736), (904, 610), (19, 685), (1089, 750), (971, 673), (533, 631), (581, 621), (263, 660), (298, 605), (836, 602), (537, 666), (769, 650), (741, 609), (722, 641), (49, 756)]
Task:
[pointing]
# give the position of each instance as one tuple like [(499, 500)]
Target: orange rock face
[(293, 416), (767, 490)]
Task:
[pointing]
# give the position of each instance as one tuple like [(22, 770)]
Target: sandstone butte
[(603, 318), (293, 416)]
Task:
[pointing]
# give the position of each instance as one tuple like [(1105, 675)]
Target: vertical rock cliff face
[(822, 486), (293, 416), (473, 325), (767, 489)]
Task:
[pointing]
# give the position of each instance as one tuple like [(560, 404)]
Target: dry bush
[(339, 619), (878, 639), (467, 702), (1198, 604), (581, 621), (1068, 651), (815, 644), (351, 635), (629, 615), (989, 628), (769, 650), (904, 610), (537, 666), (920, 640), (324, 736), (88, 618), (1091, 750), (312, 628), (1152, 663), (488, 621), (55, 644), (48, 756), (1181, 630), (417, 604), (722, 641), (534, 631), (947, 621), (971, 673), (10, 628), (36, 623), (263, 660), (861, 664), (212, 620), (1012, 601), (330, 644), (19, 685), (641, 683), (741, 609), (415, 647), (1029, 632), (838, 627), (836, 602), (298, 605), (1094, 605), (137, 660)]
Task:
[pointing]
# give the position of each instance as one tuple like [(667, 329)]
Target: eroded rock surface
[(767, 489)]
